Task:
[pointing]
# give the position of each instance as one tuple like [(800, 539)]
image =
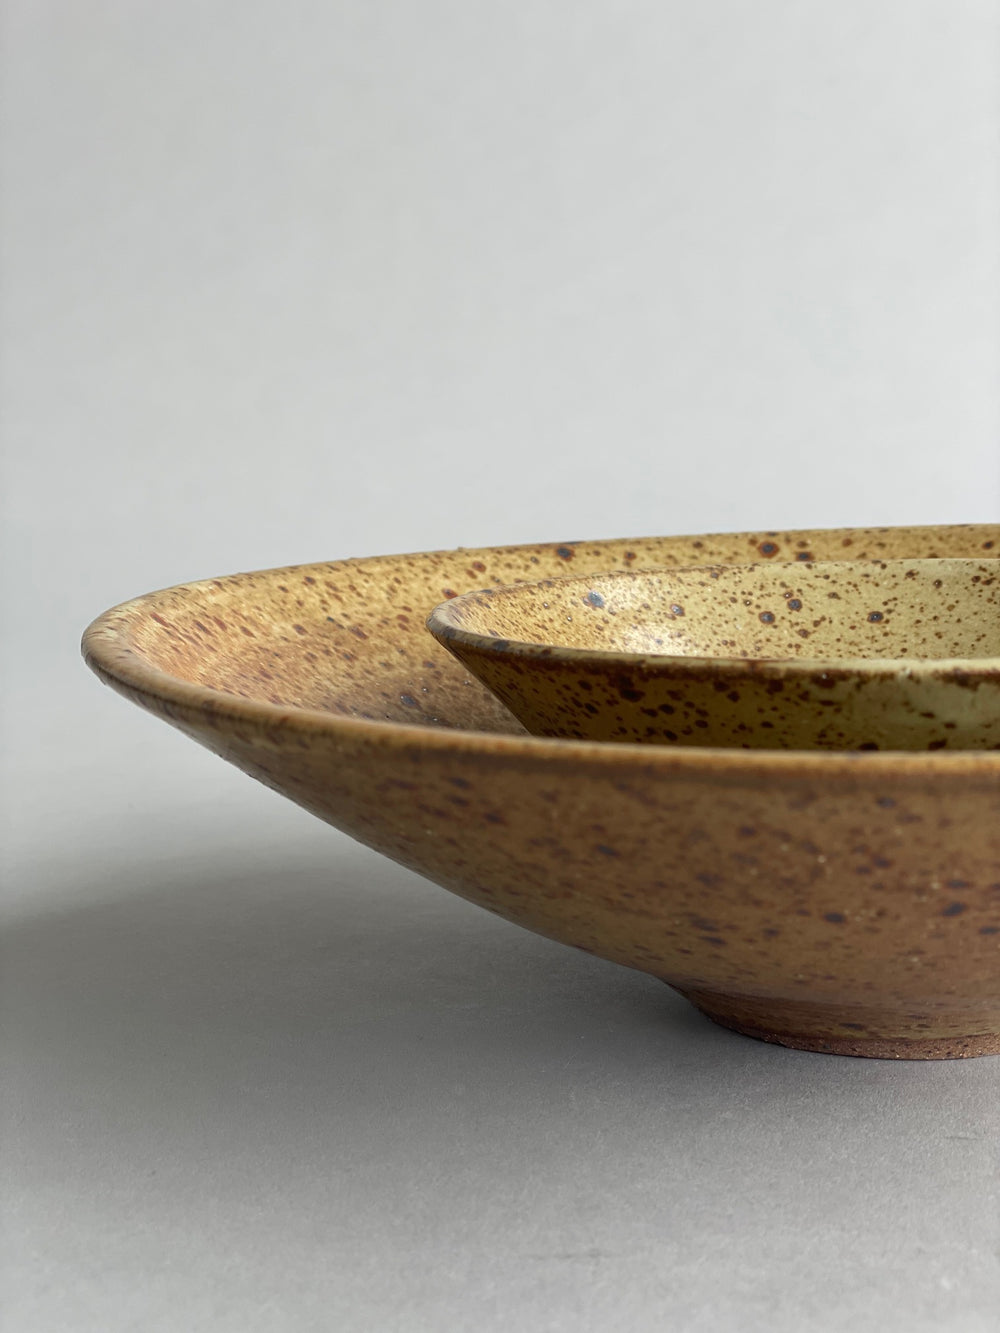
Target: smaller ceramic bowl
[(894, 654)]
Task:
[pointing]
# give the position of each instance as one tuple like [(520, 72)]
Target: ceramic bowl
[(873, 655), (838, 902)]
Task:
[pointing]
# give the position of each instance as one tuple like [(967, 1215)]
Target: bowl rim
[(445, 625), (109, 648)]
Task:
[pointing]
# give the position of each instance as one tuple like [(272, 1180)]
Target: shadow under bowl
[(838, 902), (863, 655)]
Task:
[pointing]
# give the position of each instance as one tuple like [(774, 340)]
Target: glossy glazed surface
[(871, 655), (846, 903)]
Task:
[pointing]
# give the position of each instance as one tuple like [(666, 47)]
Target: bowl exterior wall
[(858, 915), (678, 702)]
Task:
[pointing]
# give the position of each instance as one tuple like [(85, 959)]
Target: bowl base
[(816, 1027)]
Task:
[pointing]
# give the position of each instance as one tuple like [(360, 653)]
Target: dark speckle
[(703, 923), (408, 700), (794, 604), (803, 555), (565, 552), (767, 617), (886, 802), (954, 909), (989, 930), (594, 598), (605, 850), (677, 610), (836, 918), (768, 548), (875, 617)]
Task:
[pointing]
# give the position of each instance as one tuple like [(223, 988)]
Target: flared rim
[(110, 648)]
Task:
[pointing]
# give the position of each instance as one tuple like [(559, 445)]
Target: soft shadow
[(346, 1087), (314, 986), (181, 967)]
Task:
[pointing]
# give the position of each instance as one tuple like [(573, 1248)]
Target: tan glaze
[(873, 655), (845, 903)]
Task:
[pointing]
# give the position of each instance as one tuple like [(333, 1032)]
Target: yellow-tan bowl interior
[(883, 654)]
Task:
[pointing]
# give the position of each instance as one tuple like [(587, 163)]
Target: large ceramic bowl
[(864, 655), (839, 902)]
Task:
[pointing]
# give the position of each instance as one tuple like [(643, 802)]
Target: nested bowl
[(838, 902), (869, 655)]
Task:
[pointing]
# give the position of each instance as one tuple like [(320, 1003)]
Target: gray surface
[(269, 1082), (288, 282)]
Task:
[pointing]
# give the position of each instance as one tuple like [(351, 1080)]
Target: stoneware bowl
[(873, 655), (835, 901)]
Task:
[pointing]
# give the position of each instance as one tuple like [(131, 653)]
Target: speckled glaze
[(873, 655), (838, 902)]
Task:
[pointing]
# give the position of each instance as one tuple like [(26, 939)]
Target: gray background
[(294, 281)]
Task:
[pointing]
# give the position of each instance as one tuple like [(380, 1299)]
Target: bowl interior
[(905, 610), (348, 638)]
